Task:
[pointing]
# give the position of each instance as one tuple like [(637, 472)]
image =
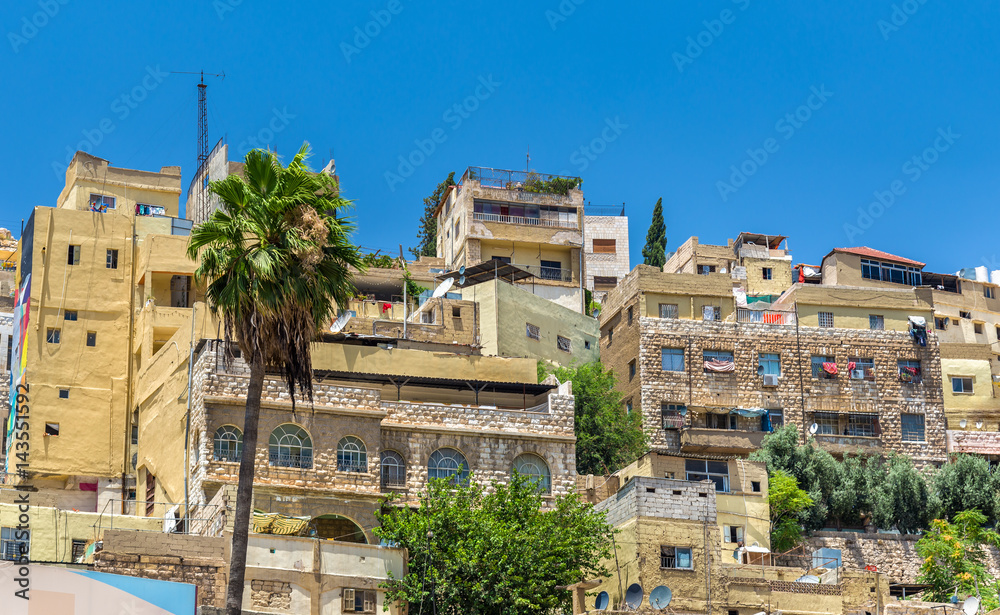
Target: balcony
[(554, 274), (734, 441), (849, 444), (288, 460), (548, 222), (522, 181), (765, 317)]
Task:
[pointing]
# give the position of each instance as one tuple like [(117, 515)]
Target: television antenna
[(202, 120)]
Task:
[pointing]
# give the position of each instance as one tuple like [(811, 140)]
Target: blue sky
[(780, 117)]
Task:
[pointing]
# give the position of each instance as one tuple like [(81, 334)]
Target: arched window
[(448, 463), (352, 456), (535, 468), (393, 470), (228, 443), (290, 447)]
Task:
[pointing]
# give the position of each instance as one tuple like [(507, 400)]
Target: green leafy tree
[(953, 558), (851, 498), (655, 251), (786, 501), (275, 261), (900, 496), (608, 437), (967, 483), (499, 552), (427, 231)]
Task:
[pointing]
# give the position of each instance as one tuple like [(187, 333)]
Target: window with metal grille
[(828, 423), (724, 356), (604, 246), (909, 371), (817, 366), (703, 469), (52, 335), (672, 415), (532, 331), (770, 364), (825, 319), (112, 259), (78, 549), (706, 269), (180, 285), (563, 343), (672, 359), (777, 418), (290, 447), (767, 273), (864, 368), (100, 202), (711, 312), (876, 322), (228, 443), (675, 557), (352, 455), (912, 427), (668, 310), (393, 470), (14, 543), (865, 425), (551, 270), (535, 468)]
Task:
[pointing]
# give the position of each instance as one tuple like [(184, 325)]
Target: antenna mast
[(202, 129)]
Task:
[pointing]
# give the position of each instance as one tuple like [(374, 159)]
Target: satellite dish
[(971, 605), (461, 270), (341, 322), (979, 424), (963, 423), (442, 288), (660, 597), (633, 596), (601, 603), (461, 280), (813, 428)]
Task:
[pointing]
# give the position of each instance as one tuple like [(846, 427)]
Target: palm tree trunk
[(244, 491)]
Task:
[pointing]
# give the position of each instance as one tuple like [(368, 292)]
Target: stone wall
[(615, 264), (661, 498)]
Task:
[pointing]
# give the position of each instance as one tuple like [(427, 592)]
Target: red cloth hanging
[(386, 307)]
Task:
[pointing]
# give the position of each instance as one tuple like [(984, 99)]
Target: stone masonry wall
[(604, 264), (661, 498)]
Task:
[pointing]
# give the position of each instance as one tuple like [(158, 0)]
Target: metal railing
[(549, 273), (166, 512), (550, 222), (230, 455), (394, 480), (767, 317), (285, 460), (352, 466), (527, 181)]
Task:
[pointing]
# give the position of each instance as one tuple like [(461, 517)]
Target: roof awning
[(486, 271)]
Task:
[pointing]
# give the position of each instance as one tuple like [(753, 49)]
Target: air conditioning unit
[(770, 380), (858, 374)]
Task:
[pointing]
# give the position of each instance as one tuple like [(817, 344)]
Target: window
[(63, 393), (817, 366), (290, 447), (672, 359), (890, 272), (448, 463), (998, 333), (179, 287), (978, 328), (964, 314), (940, 323), (92, 338), (711, 312), (777, 418), (502, 259), (78, 549), (228, 443), (586, 344), (825, 319), (912, 427), (631, 369), (611, 334), (52, 429), (864, 368), (770, 364), (870, 269), (876, 322), (393, 470), (755, 486), (456, 312), (52, 335), (605, 282), (673, 415), (427, 317), (150, 494), (721, 421), (563, 343), (100, 202), (827, 422), (112, 259), (629, 315), (668, 310), (352, 455), (706, 269), (628, 407), (961, 384), (989, 292), (551, 270), (14, 544), (863, 425), (716, 358), (767, 273), (74, 255), (604, 246), (532, 331), (535, 468), (69, 315), (359, 600), (909, 371), (675, 557), (734, 533), (10, 353), (702, 469)]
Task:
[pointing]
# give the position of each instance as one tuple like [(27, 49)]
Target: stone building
[(712, 377), (605, 249), (757, 263), (528, 219)]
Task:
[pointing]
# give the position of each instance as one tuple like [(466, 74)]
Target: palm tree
[(275, 261)]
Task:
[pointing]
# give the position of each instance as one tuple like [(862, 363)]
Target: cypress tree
[(427, 231), (654, 252)]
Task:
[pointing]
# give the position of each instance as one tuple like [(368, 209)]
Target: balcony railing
[(550, 222), (549, 273), (230, 455), (526, 181), (767, 317), (352, 466), (286, 460)]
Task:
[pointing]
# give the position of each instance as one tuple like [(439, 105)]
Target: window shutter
[(348, 600), (369, 602)]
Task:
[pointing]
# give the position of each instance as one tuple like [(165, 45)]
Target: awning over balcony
[(486, 271)]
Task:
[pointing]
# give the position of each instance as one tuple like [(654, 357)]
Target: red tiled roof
[(873, 253)]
